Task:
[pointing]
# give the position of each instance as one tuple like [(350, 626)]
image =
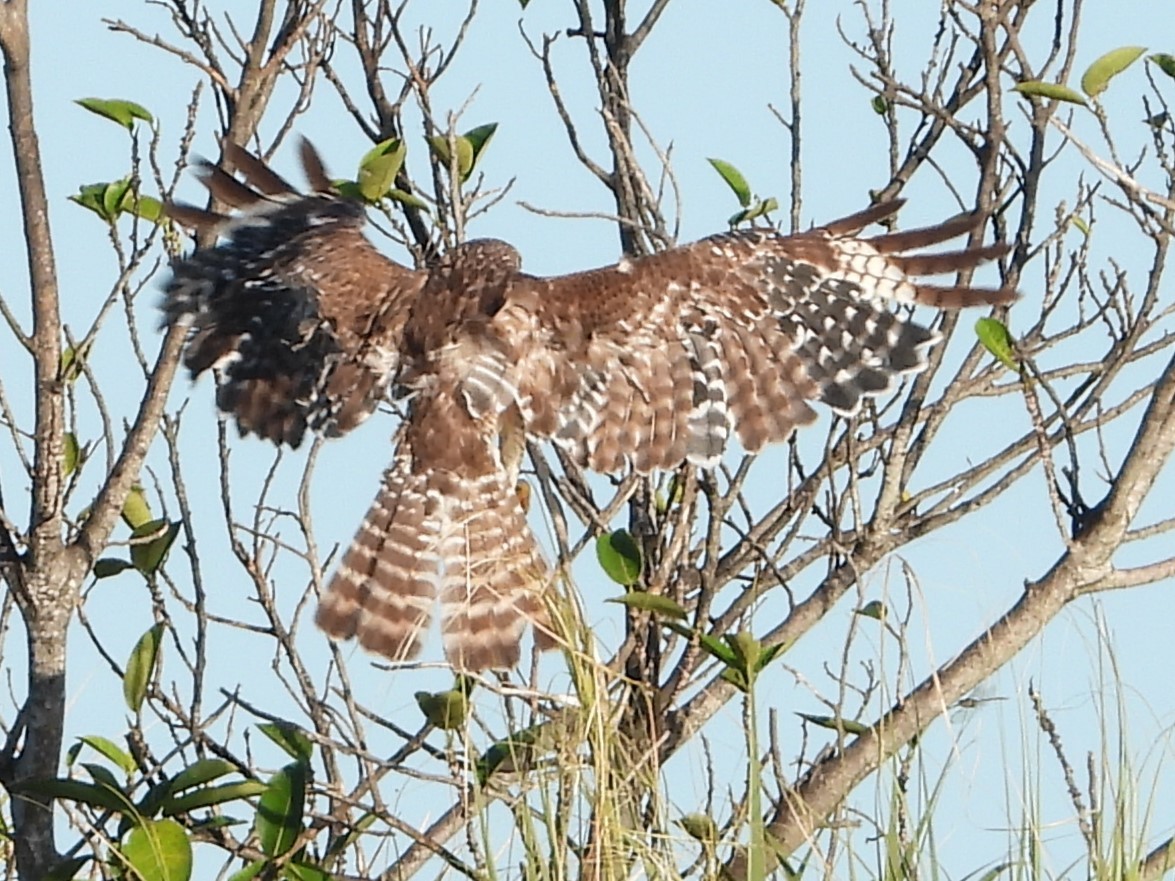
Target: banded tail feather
[(434, 535)]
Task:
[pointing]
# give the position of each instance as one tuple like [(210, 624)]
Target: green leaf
[(378, 168), (66, 869), (251, 871), (72, 360), (69, 454), (746, 648), (650, 602), (148, 556), (96, 795), (517, 751), (1053, 91), (135, 510), (734, 179), (101, 775), (200, 772), (1097, 76), (207, 796), (832, 723), (879, 105), (1080, 224), (620, 557), (470, 146), (406, 198), (296, 871), (747, 657), (146, 207), (759, 209), (219, 821), (113, 197), (110, 199), (446, 710), (148, 804), (279, 813), (342, 842), (700, 827), (89, 197), (1165, 63), (158, 850), (996, 339), (348, 189), (717, 648), (290, 738), (769, 654), (110, 750), (874, 609), (141, 666), (440, 147), (714, 646), (123, 112), (108, 567), (736, 678), (672, 496), (479, 138)]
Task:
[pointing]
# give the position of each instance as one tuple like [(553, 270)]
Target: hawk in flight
[(646, 364)]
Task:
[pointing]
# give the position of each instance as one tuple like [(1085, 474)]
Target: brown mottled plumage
[(645, 364)]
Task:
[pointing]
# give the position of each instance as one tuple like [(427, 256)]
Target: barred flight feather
[(273, 307), (643, 365)]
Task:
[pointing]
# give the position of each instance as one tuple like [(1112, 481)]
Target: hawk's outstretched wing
[(649, 363), (659, 360), (303, 315)]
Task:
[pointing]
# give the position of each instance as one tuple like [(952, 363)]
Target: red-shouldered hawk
[(646, 364)]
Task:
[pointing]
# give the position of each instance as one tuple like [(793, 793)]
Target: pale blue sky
[(702, 83)]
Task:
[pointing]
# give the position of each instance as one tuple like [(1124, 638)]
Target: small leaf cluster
[(752, 208), (449, 709), (469, 148), (993, 333), (280, 825), (745, 656), (111, 199), (519, 751), (70, 369), (381, 165), (151, 538), (1096, 78), (621, 559), (156, 830), (376, 177)]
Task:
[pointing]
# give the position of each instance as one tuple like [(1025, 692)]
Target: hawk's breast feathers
[(647, 364)]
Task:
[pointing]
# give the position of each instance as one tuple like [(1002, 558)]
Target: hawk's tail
[(435, 532)]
